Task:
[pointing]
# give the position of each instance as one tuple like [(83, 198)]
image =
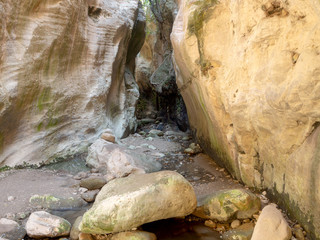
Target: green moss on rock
[(195, 26), (227, 204)]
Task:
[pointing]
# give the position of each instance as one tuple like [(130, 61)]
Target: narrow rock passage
[(168, 148)]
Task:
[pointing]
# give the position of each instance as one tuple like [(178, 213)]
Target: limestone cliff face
[(249, 72), (63, 75)]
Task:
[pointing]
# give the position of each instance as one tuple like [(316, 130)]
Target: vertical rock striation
[(249, 73), (65, 75)]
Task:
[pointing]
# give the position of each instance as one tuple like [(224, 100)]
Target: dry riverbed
[(170, 147)]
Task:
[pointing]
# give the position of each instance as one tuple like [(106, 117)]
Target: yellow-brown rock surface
[(249, 72)]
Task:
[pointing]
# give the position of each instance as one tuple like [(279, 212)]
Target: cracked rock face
[(63, 76), (249, 74)]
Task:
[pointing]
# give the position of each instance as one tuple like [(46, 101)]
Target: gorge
[(107, 81)]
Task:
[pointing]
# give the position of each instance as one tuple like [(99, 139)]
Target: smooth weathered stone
[(210, 223), (271, 225), (236, 223), (57, 203), (126, 203), (74, 233), (90, 196), (155, 133), (42, 224), (117, 161), (11, 230), (227, 204), (108, 137), (93, 183), (134, 235)]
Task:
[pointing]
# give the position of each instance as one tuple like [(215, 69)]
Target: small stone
[(142, 133), (297, 226), (57, 203), (10, 216), (186, 138), (246, 220), (196, 178), (144, 145), (298, 234), (94, 170), (221, 227), (132, 147), (152, 147), (155, 132), (188, 151), (93, 183), (11, 198), (235, 223), (42, 224), (158, 154), (85, 236), (82, 190), (23, 215), (108, 137), (80, 175), (195, 147), (90, 196), (264, 193), (149, 138), (210, 223)]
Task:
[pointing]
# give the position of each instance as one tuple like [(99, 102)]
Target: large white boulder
[(126, 203)]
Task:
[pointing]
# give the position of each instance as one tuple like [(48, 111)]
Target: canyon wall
[(155, 73), (66, 73), (249, 72)]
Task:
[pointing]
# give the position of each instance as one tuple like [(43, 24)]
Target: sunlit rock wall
[(62, 76), (249, 72)]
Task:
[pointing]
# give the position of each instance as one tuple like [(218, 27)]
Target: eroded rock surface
[(116, 161), (126, 203), (227, 204), (249, 74), (42, 224), (65, 75), (271, 225)]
